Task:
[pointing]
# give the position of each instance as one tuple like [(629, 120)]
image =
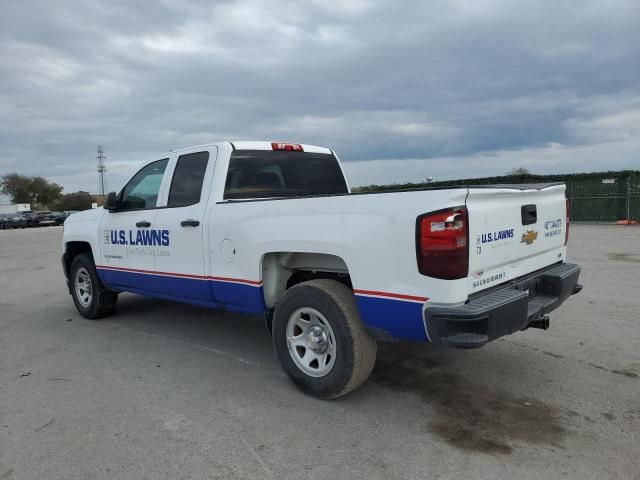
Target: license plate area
[(532, 286)]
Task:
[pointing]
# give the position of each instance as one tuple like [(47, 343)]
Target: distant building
[(7, 206), (14, 207), (99, 199)]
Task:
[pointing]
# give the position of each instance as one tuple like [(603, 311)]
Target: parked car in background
[(44, 219), (62, 216), (33, 219), (4, 219), (17, 220), (29, 218), (59, 217)]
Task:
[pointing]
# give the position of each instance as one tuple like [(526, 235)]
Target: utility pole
[(102, 169)]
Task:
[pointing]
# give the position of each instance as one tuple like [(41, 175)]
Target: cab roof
[(252, 145), (244, 145)]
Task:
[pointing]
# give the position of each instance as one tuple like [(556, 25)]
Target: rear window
[(265, 174)]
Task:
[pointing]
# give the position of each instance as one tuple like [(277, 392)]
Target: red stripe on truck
[(399, 296), (181, 275)]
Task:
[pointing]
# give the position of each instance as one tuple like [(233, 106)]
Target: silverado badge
[(529, 237)]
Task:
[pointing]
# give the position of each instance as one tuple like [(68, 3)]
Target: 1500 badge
[(154, 238)]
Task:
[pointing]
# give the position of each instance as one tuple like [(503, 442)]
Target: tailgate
[(513, 231)]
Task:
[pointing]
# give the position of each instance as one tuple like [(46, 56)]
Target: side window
[(188, 176), (142, 190)]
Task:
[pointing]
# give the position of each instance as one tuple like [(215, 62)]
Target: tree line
[(39, 191)]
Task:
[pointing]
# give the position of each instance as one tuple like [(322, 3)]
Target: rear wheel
[(320, 340), (90, 296)]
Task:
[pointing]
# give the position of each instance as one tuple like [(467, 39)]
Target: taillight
[(566, 232), (292, 147), (443, 243)]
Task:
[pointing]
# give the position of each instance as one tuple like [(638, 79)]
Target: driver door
[(128, 240)]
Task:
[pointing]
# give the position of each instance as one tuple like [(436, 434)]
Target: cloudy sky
[(401, 90)]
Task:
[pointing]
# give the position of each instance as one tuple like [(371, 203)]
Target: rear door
[(513, 232), (180, 267), (127, 259)]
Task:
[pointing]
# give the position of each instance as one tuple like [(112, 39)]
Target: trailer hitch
[(542, 323)]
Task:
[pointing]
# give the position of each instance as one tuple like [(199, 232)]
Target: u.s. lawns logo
[(151, 238)]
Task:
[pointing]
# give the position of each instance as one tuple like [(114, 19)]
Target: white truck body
[(241, 254)]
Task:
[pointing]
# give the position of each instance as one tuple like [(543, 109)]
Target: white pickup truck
[(272, 229)]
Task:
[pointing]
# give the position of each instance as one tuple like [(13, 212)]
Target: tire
[(94, 300), (346, 363)]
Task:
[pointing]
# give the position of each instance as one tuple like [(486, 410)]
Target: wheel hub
[(316, 339)]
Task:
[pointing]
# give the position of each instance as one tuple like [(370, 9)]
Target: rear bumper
[(523, 303)]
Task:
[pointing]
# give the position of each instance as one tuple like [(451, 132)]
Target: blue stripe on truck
[(402, 319), (399, 315), (229, 294)]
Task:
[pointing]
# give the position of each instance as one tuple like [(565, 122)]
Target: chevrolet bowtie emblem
[(529, 237)]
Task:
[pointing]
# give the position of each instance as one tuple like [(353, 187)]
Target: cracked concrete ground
[(169, 391)]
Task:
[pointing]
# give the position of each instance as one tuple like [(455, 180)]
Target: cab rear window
[(269, 174)]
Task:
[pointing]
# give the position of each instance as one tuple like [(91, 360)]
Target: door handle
[(190, 223), (143, 224), (529, 214)]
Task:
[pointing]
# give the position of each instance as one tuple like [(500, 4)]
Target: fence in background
[(595, 197), (605, 199)]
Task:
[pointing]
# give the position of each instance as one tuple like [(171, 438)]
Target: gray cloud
[(399, 90)]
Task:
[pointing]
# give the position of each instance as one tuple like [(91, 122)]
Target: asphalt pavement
[(169, 391)]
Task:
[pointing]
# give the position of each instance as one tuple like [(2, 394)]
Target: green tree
[(519, 171), (45, 192), (73, 201), (24, 189), (17, 187)]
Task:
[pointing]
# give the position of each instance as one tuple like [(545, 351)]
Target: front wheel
[(90, 296), (320, 340)]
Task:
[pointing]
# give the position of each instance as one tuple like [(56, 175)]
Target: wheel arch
[(282, 270), (72, 249)]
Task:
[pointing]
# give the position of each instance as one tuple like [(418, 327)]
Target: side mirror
[(111, 203)]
